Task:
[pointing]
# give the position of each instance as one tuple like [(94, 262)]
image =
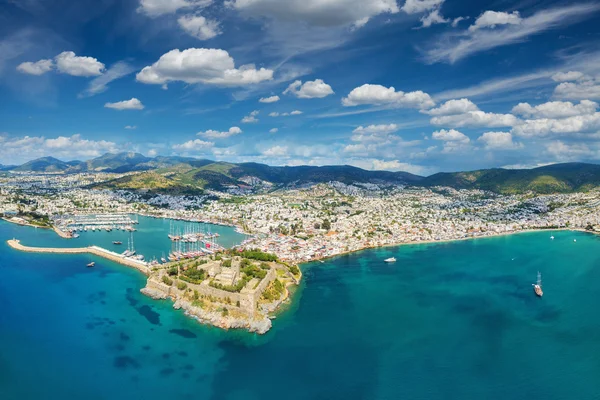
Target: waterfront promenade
[(95, 250)]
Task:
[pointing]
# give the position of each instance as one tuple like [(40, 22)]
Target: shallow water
[(446, 321)]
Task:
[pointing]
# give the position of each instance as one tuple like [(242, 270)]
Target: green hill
[(557, 178)]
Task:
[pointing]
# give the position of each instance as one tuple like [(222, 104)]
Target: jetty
[(95, 250)]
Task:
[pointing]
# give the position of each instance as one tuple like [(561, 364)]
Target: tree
[(326, 224)]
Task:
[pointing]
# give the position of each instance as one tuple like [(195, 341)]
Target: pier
[(95, 250)]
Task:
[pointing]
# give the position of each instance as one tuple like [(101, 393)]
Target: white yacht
[(390, 260)]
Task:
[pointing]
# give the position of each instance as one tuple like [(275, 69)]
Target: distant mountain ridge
[(172, 174)]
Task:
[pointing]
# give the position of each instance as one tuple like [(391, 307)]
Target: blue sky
[(417, 85)]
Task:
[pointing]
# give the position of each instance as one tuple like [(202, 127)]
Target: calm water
[(151, 238), (447, 321)]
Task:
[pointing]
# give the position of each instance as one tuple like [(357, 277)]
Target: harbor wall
[(95, 250)]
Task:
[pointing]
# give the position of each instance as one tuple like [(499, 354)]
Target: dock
[(95, 250)]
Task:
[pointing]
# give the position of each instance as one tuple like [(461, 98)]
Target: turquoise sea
[(446, 321)]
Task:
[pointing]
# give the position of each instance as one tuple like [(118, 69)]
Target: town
[(311, 222)]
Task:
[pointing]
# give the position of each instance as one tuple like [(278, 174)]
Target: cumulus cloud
[(65, 147), (196, 145), (69, 63), (131, 104), (492, 19), (155, 8), (208, 66), (578, 90), (451, 135), (555, 109), (212, 134), (272, 99), (276, 151), (380, 95), (453, 107), (499, 141), (374, 133), (251, 118), (579, 124), (475, 119), (36, 68), (274, 130), (454, 46), (395, 165), (568, 76), (317, 12), (419, 6), (316, 89), (199, 27), (562, 151)]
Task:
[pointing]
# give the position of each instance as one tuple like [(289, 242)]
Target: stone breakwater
[(95, 250)]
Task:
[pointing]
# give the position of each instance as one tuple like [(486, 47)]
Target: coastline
[(496, 235)]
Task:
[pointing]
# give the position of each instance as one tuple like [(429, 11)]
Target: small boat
[(551, 237), (390, 260), (537, 287), (92, 264), (117, 242)]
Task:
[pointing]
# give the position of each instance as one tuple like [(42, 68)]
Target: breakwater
[(95, 250)]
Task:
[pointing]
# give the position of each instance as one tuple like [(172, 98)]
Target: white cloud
[(453, 107), (499, 141), (317, 12), (571, 152), (451, 135), (376, 129), (454, 46), (99, 84), (419, 6), (578, 90), (492, 19), (234, 130), (69, 63), (152, 153), (285, 114), (36, 68), (130, 127), (380, 95), (193, 146), (199, 27), (548, 126), (64, 147), (434, 17), (458, 20), (155, 8), (395, 165), (475, 119), (209, 66), (276, 151), (316, 89), (131, 104), (274, 130), (272, 99), (555, 109), (568, 76), (251, 118)]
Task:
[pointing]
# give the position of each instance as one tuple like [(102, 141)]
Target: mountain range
[(165, 174)]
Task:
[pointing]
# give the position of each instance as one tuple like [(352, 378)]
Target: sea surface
[(446, 321)]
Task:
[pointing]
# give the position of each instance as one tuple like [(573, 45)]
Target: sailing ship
[(537, 287)]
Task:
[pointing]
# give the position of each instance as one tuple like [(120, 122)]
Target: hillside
[(150, 182), (557, 178), (46, 164)]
